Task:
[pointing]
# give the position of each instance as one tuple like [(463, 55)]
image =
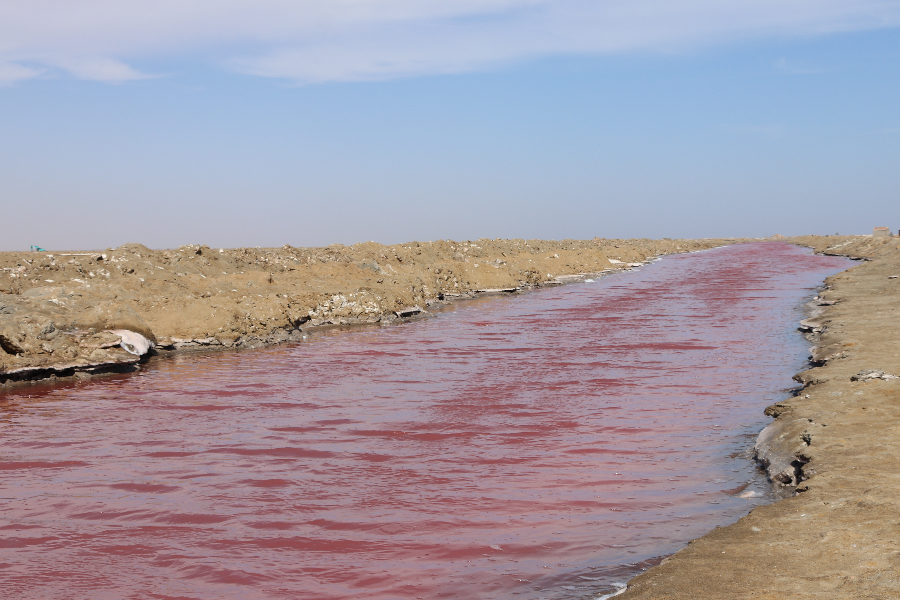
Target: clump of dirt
[(54, 304)]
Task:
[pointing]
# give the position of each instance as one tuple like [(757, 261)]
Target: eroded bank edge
[(122, 362), (195, 298)]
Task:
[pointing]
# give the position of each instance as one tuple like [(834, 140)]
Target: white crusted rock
[(132, 342)]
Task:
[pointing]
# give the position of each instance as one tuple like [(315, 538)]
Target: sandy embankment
[(56, 308), (839, 440)]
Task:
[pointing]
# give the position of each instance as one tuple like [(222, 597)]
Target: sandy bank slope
[(839, 537), (56, 307)]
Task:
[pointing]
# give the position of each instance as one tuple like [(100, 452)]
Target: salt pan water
[(547, 445)]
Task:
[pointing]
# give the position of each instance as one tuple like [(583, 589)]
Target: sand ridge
[(58, 309)]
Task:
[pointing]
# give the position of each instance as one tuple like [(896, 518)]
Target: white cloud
[(328, 40), (98, 69), (12, 72)]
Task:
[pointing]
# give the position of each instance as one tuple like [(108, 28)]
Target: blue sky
[(308, 123)]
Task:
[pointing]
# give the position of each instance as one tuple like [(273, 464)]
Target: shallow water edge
[(559, 434)]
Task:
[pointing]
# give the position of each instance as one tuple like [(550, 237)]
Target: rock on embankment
[(60, 312)]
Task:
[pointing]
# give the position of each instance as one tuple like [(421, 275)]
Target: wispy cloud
[(335, 40), (98, 68), (11, 72)]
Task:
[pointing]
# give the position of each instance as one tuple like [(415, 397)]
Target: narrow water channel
[(547, 445)]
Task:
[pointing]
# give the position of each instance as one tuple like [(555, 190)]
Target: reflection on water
[(541, 446)]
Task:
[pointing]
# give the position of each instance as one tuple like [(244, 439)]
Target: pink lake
[(546, 445)]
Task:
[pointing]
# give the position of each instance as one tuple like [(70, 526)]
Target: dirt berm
[(838, 441), (68, 314)]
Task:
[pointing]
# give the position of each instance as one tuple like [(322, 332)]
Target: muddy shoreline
[(63, 314), (835, 445)]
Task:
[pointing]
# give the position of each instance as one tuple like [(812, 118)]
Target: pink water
[(540, 446)]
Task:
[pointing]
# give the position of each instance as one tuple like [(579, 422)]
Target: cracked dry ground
[(839, 536)]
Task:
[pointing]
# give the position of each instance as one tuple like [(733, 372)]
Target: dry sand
[(57, 308)]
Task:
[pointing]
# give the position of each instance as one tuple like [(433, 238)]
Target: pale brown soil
[(56, 306), (839, 536)]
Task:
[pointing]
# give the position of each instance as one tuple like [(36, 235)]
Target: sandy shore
[(64, 314), (838, 442)]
